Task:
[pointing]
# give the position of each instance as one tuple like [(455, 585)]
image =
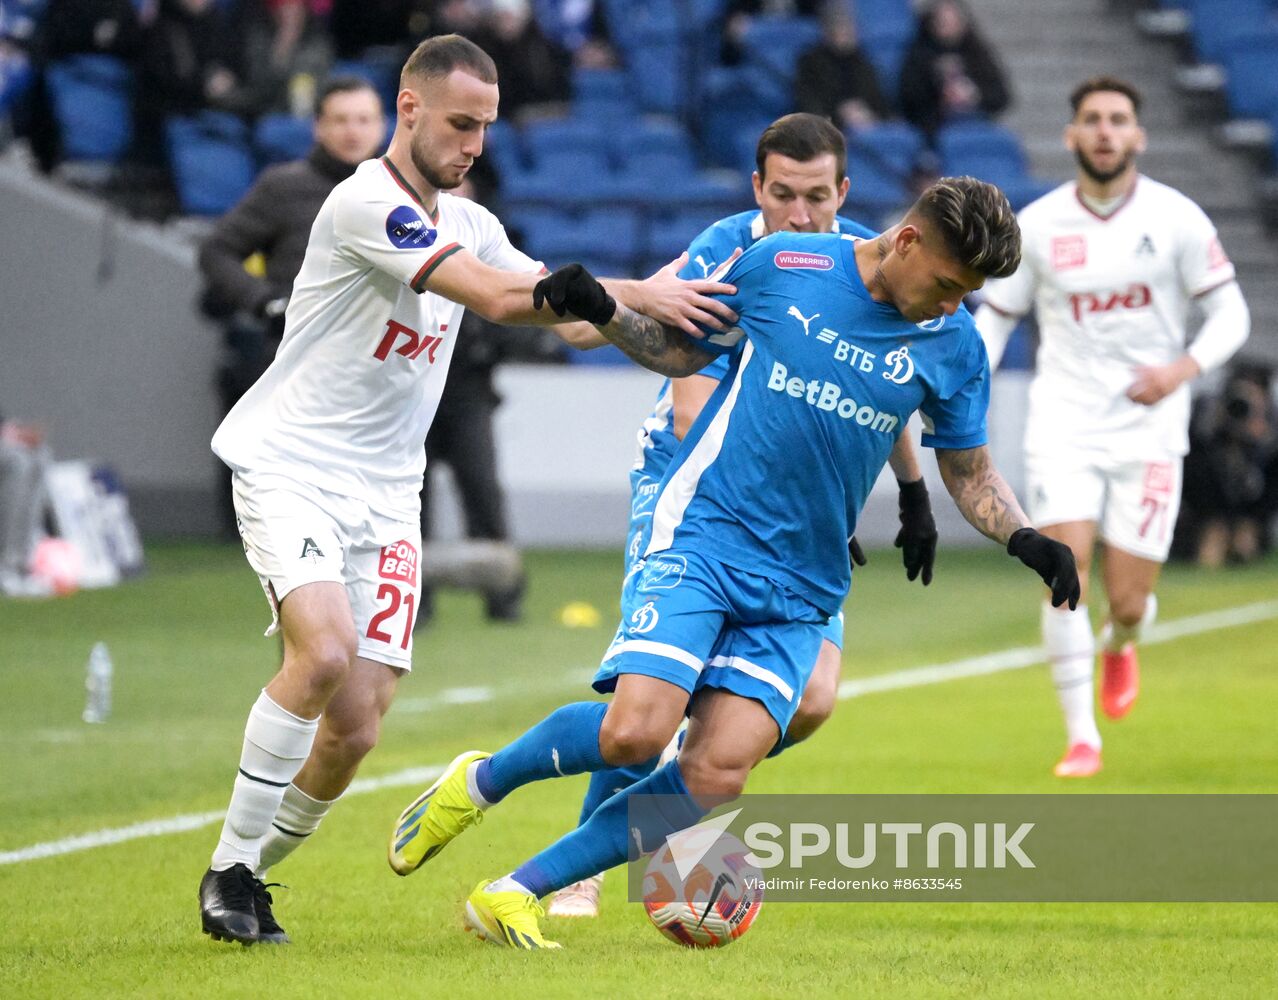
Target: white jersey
[(1111, 294), (357, 379)]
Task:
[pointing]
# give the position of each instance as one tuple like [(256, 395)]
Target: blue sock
[(604, 841), (608, 782), (564, 742)]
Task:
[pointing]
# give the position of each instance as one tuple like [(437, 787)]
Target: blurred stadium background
[(649, 142)]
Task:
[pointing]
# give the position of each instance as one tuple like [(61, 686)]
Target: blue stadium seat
[(503, 145), (92, 104), (896, 145), (599, 84), (875, 190), (888, 56), (211, 161), (774, 44), (980, 139), (1216, 25), (661, 66), (383, 74), (604, 235), (566, 135), (562, 178), (884, 21), (993, 166), (280, 138), (1251, 68), (669, 235)]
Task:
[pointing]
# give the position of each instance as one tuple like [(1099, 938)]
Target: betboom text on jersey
[(829, 397)]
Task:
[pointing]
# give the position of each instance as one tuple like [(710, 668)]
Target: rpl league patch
[(792, 260), (407, 230), (1068, 252)]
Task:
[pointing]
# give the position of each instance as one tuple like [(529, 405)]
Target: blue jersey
[(774, 473), (657, 441)]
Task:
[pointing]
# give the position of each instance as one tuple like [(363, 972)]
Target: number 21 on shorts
[(398, 566)]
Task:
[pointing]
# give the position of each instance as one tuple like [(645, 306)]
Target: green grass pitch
[(122, 920)]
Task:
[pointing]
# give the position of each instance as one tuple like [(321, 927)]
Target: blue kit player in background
[(746, 558), (799, 185)]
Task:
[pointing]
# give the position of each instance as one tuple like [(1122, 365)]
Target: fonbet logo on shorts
[(829, 396), (399, 562), (407, 230)]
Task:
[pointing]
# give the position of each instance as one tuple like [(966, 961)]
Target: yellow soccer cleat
[(438, 815), (506, 918)]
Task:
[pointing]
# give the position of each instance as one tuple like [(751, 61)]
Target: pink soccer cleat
[(1081, 761), (1120, 681)]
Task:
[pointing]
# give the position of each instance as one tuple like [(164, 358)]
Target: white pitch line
[(976, 666), (193, 821), (1028, 656)]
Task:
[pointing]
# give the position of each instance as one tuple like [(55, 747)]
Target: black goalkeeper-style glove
[(855, 553), (917, 537), (1050, 559), (573, 289)]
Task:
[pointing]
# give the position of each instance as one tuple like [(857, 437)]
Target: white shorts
[(296, 534), (1134, 503)]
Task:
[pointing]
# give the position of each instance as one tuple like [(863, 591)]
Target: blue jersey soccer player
[(746, 557), (799, 184)]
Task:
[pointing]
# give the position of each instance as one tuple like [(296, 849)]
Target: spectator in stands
[(1231, 471), (188, 62), (580, 27), (740, 13), (533, 70), (23, 460), (359, 25), (97, 27), (949, 71), (274, 219), (835, 79)]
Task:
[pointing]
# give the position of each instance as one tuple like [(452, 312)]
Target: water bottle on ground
[(97, 680)]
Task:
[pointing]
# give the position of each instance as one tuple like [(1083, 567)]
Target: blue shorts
[(698, 623)]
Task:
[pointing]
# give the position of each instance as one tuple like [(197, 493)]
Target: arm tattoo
[(980, 492), (662, 349)]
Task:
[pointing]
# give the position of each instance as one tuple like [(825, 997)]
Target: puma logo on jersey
[(805, 320), (1088, 303), (706, 268)]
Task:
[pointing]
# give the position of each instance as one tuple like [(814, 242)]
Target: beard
[(1102, 176), (433, 176)]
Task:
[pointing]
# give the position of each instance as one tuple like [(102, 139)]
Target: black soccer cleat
[(228, 909), (268, 931)]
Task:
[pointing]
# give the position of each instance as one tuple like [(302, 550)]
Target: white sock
[(1115, 635), (507, 883), (1067, 635), (276, 744), (297, 818)]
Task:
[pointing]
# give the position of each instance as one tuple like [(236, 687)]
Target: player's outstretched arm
[(660, 348), (984, 498), (674, 301)]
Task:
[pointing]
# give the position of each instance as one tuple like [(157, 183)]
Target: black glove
[(1050, 559), (917, 537), (573, 289), (855, 553)]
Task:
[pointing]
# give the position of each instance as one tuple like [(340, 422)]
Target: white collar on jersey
[(757, 232)]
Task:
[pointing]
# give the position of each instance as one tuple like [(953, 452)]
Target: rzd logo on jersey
[(902, 366), (414, 344), (1090, 303), (644, 619)]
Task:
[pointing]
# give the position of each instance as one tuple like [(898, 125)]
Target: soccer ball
[(710, 908)]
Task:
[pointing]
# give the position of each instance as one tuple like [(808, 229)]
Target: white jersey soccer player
[(327, 455), (1110, 265)]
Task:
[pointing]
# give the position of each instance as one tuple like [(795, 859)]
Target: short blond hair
[(975, 222)]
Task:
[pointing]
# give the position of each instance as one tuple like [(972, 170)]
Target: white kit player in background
[(327, 454), (1112, 261)]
